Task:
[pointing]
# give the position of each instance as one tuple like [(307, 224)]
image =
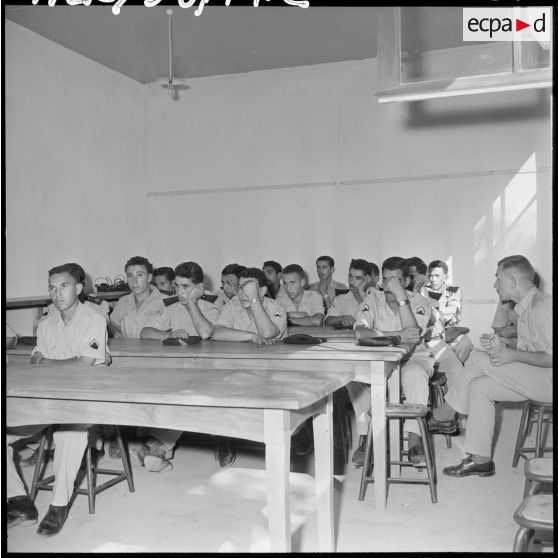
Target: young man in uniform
[(75, 334), (251, 316), (302, 307), (229, 283), (503, 371), (273, 272), (143, 307), (326, 286), (395, 311), (189, 316), (345, 307), (162, 279), (417, 273)]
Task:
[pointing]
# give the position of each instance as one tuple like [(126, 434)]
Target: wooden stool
[(438, 389), (533, 412), (91, 470), (535, 519), (538, 475), (399, 411)]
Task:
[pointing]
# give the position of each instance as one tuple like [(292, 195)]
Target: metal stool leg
[(125, 460), (428, 457), (522, 433), (522, 539)]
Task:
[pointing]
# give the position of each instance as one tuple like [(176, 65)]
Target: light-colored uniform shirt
[(505, 315), (103, 308), (84, 335), (235, 317), (131, 320), (448, 302), (534, 328), (344, 305), (330, 294), (311, 303), (177, 316)]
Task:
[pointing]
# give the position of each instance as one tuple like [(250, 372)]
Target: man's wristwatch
[(403, 302)]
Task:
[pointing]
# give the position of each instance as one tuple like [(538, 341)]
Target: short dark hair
[(362, 265), (418, 263), (519, 263), (167, 271), (254, 273), (395, 262), (293, 268), (139, 260), (275, 265), (375, 269), (190, 270), (75, 270), (438, 263), (233, 269), (327, 259)]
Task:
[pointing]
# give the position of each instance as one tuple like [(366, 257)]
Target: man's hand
[(347, 321), (501, 355), (393, 285), (195, 293), (261, 340), (251, 288), (507, 332), (410, 335), (177, 333)]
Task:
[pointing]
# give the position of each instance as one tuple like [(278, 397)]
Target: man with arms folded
[(326, 286), (344, 308), (75, 334), (501, 372), (251, 316), (395, 311), (190, 316), (302, 307)]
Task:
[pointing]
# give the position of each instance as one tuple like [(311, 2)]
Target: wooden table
[(42, 301), (371, 365), (330, 333), (265, 406)]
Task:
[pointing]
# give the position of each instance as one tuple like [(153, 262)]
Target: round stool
[(538, 475), (535, 519), (534, 412)]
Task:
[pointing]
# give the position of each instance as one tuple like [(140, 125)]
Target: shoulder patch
[(365, 308), (420, 310), (94, 344)]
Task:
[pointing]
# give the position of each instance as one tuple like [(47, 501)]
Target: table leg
[(394, 391), (323, 455), (277, 438), (378, 402)]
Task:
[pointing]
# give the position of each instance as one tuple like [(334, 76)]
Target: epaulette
[(165, 292), (94, 299), (451, 289), (434, 295), (341, 291), (209, 298), (170, 300)]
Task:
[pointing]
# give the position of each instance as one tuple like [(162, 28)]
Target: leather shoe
[(53, 521), (442, 426), (227, 454), (416, 455), (21, 509), (469, 467), (359, 454)]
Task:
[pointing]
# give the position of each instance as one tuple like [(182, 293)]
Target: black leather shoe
[(358, 456), (469, 467), (442, 426), (21, 509), (53, 521), (31, 461), (416, 456)]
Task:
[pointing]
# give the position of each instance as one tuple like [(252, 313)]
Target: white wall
[(291, 164)]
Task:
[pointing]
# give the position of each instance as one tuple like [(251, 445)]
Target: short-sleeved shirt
[(102, 308), (131, 320), (177, 316), (84, 335), (333, 286), (344, 305), (505, 315), (449, 298), (311, 303), (534, 328), (234, 316)]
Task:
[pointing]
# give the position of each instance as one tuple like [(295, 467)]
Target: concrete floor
[(199, 507)]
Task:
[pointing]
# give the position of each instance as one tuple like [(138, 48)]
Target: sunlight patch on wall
[(479, 241), (498, 227)]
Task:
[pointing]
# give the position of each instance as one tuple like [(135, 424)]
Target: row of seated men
[(515, 362)]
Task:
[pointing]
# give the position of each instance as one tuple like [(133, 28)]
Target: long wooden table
[(378, 367), (265, 406), (330, 333)]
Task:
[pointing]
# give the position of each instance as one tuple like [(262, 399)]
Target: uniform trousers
[(480, 384), (70, 443), (415, 373), (167, 437)]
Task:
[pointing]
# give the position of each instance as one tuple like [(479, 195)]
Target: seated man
[(344, 308), (75, 334), (273, 272), (500, 372), (395, 311), (326, 286), (190, 316), (251, 316), (162, 279), (417, 273), (302, 307), (446, 300), (143, 307), (229, 283)]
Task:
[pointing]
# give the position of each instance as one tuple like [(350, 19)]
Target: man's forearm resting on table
[(153, 333), (315, 320), (222, 333), (38, 358)]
